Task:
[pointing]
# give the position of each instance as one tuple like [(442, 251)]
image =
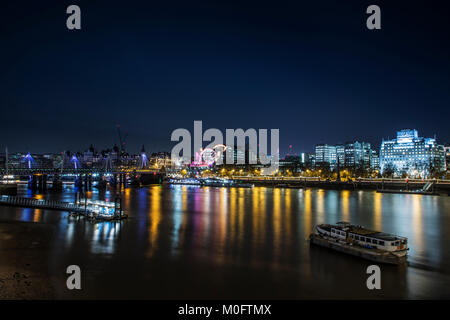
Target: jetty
[(384, 185), (96, 210), (427, 189)]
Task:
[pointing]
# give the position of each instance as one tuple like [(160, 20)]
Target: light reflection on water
[(251, 235)]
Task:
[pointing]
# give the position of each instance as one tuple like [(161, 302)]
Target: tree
[(388, 170), (360, 170)]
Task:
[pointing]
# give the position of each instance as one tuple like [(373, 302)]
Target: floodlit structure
[(143, 159), (28, 159), (411, 154)]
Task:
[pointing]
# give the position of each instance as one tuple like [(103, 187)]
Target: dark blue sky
[(310, 68)]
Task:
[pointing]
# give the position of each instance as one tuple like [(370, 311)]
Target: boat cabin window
[(363, 239), (381, 242)]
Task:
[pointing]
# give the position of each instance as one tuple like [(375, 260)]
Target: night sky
[(310, 68)]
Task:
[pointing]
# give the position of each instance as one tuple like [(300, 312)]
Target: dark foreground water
[(190, 242)]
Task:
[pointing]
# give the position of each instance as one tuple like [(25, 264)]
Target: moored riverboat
[(211, 182), (361, 242)]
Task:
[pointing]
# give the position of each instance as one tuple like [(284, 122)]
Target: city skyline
[(407, 155), (288, 149)]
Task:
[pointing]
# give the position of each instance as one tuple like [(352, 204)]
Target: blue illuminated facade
[(412, 155)]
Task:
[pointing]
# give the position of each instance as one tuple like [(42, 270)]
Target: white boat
[(211, 182), (359, 241)]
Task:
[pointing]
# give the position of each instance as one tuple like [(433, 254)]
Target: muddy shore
[(24, 256)]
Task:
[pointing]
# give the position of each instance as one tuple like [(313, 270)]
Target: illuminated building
[(304, 157), (411, 154), (375, 160), (326, 155), (447, 156), (358, 154), (351, 154), (243, 155), (340, 154), (239, 155)]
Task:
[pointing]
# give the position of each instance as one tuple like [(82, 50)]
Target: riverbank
[(441, 187), (24, 257)]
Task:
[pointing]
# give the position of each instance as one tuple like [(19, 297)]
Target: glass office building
[(326, 155), (350, 155), (447, 156), (358, 154), (375, 160), (411, 154)]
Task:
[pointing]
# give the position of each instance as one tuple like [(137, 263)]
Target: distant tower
[(75, 162), (143, 160), (29, 159), (108, 162), (290, 153)]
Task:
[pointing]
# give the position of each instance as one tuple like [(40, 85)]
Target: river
[(240, 243)]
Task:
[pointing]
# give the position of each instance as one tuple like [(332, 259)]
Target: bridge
[(73, 171), (38, 177)]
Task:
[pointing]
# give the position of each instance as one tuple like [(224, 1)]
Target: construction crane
[(122, 140)]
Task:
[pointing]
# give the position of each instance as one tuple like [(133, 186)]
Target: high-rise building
[(350, 155), (375, 161), (447, 156), (411, 154), (358, 154), (325, 155), (340, 154), (244, 155)]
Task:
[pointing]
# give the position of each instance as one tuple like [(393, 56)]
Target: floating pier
[(96, 210), (425, 190)]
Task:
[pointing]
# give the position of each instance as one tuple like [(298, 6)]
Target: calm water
[(191, 242)]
